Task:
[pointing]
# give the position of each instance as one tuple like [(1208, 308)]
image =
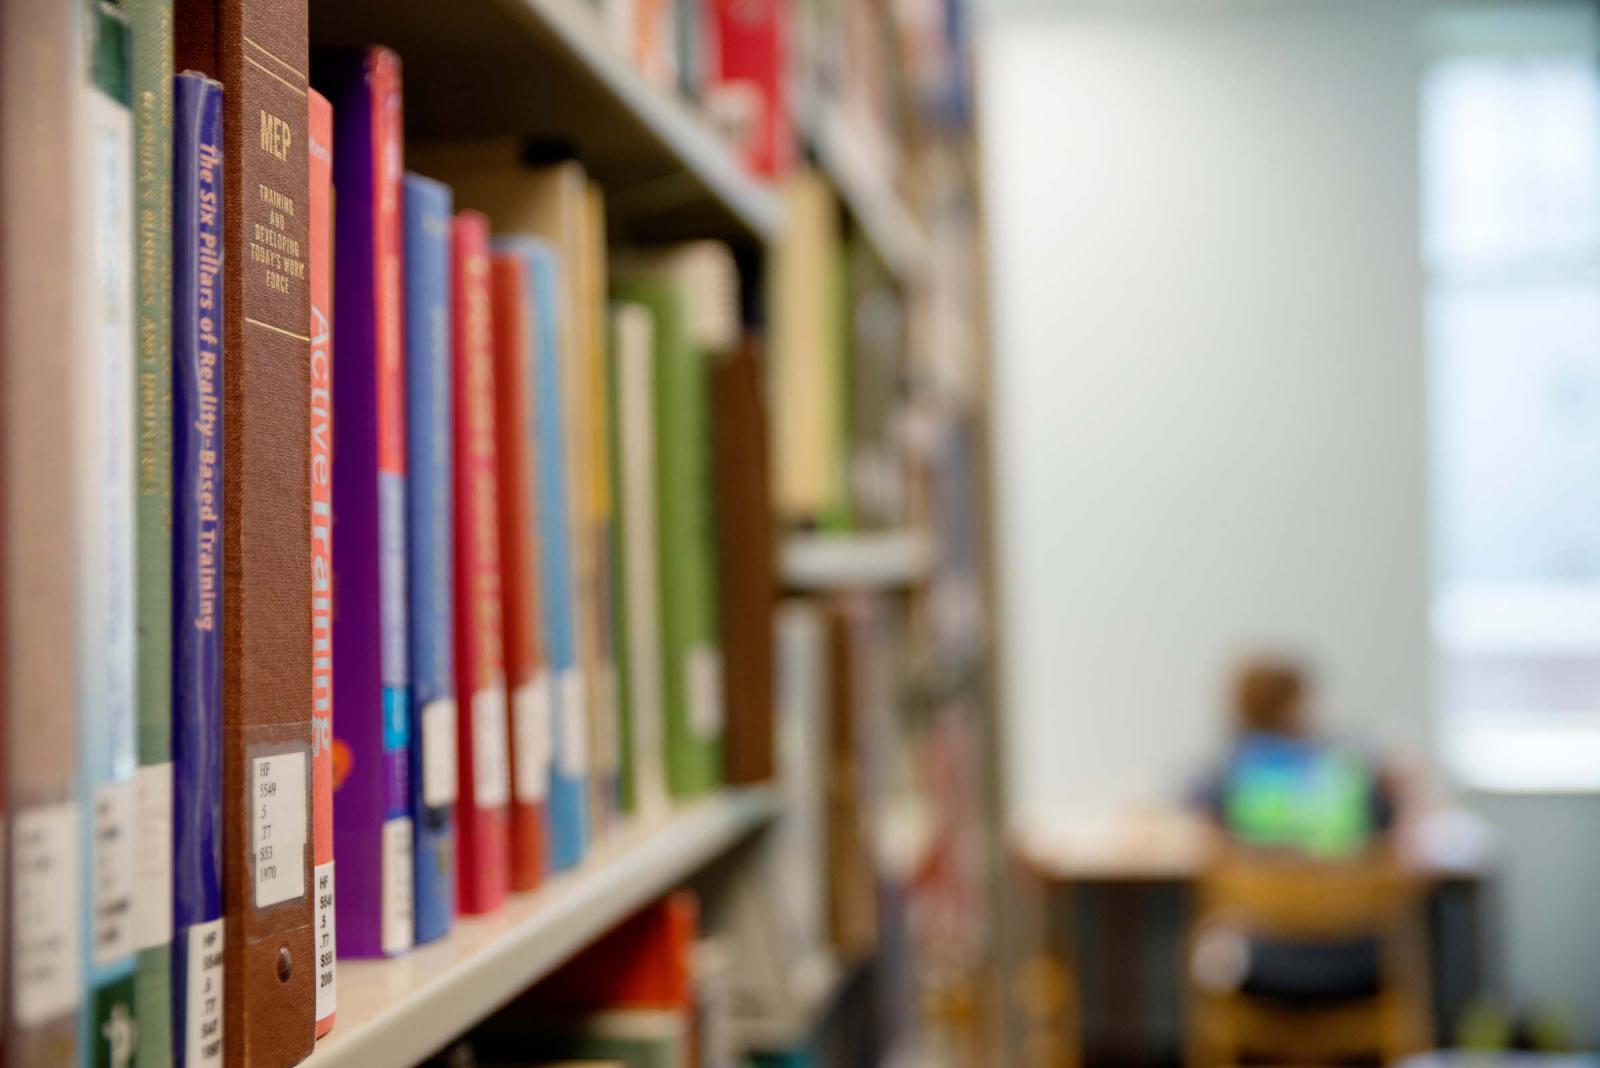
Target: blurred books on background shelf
[(527, 607)]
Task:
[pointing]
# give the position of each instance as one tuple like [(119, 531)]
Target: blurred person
[(1284, 786)]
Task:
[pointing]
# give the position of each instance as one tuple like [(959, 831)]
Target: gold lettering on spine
[(271, 246)]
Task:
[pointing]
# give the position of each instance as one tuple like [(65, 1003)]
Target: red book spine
[(751, 75), (482, 829), (319, 276), (519, 567)]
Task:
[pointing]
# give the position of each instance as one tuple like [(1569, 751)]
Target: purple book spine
[(372, 777)]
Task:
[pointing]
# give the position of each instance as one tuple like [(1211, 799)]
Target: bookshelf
[(886, 221), (873, 560), (394, 1012), (514, 67)]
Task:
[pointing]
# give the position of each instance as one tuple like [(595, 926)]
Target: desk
[(1118, 855)]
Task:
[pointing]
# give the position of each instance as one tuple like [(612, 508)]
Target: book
[(646, 962), (515, 358), (257, 50), (151, 23), (569, 820), (107, 537), (692, 296), (372, 792), (428, 433), (483, 772), (638, 586), (806, 359), (43, 60), (600, 663), (746, 565), (319, 272), (198, 430), (747, 91), (548, 202)]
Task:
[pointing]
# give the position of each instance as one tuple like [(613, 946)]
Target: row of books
[(353, 515)]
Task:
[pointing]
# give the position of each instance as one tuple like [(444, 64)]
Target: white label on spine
[(491, 777), (530, 704), (439, 752), (278, 826), (323, 932), (703, 676), (152, 897), (203, 996), (397, 879), (46, 959), (112, 879), (574, 753)]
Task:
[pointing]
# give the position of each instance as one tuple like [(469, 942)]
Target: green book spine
[(151, 22), (627, 792), (691, 660)]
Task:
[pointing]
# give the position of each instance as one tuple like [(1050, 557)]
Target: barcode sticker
[(111, 881), (278, 826), (491, 777), (45, 955), (574, 753), (703, 675), (439, 786), (203, 995), (152, 898), (323, 932), (530, 704), (397, 885)]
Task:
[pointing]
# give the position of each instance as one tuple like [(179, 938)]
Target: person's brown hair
[(1268, 695)]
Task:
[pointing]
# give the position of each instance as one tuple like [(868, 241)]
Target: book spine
[(519, 543), (372, 799), (257, 49), (746, 569), (633, 376), (152, 113), (569, 818), (43, 268), (319, 278), (748, 89), (483, 774), (600, 644), (428, 427), (109, 712), (197, 544)]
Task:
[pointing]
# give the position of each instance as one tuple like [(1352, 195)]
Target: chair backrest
[(1290, 897)]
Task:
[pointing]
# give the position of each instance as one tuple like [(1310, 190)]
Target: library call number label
[(278, 826)]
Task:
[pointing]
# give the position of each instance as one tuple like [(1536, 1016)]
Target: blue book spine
[(428, 422), (108, 713), (197, 423), (569, 816)]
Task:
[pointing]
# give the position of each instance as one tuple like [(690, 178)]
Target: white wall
[(1209, 384)]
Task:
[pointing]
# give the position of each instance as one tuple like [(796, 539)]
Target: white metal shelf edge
[(689, 137), (395, 1012), (873, 560)]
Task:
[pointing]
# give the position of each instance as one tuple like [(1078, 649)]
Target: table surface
[(1168, 843)]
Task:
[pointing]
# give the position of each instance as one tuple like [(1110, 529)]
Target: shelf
[(545, 69), (869, 560), (394, 1012), (882, 216)]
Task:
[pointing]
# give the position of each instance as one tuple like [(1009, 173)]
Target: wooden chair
[(1255, 896)]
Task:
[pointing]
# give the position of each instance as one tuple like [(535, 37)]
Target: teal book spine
[(108, 712), (151, 85)]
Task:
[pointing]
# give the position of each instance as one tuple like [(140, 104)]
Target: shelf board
[(545, 70), (394, 1012), (883, 217), (865, 560)]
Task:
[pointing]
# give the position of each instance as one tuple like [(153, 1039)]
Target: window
[(1511, 245)]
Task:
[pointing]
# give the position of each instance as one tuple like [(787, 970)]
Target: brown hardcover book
[(44, 346), (257, 49), (852, 901), (748, 582)]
